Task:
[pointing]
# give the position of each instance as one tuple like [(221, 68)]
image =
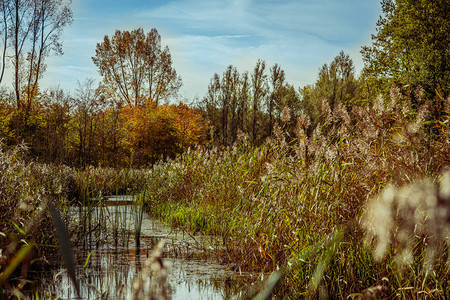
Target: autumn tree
[(136, 70), (149, 134), (189, 124), (51, 139), (410, 46)]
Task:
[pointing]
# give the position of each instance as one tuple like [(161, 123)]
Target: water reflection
[(108, 259)]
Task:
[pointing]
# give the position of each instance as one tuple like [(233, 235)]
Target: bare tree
[(36, 24), (20, 24), (87, 105), (4, 30), (49, 19)]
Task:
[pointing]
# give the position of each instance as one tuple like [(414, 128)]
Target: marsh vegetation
[(339, 189)]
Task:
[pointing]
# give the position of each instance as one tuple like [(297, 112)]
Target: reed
[(297, 202), (26, 187)]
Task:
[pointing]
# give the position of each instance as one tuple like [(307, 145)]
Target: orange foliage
[(162, 131), (189, 123)]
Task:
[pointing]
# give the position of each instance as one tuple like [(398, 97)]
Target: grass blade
[(18, 228), (87, 259), (21, 255), (64, 245), (270, 285)]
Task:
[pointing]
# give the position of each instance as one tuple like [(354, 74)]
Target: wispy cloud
[(207, 35)]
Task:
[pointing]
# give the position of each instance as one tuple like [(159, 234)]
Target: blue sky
[(205, 36)]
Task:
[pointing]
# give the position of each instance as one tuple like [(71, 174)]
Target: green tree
[(210, 106), (259, 91), (336, 83), (243, 102), (276, 94), (411, 46)]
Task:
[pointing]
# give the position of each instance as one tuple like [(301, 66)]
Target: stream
[(108, 260)]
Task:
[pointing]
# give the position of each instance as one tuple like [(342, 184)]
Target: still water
[(108, 260)]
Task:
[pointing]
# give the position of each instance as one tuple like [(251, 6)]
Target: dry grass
[(151, 282), (298, 201), (26, 189)]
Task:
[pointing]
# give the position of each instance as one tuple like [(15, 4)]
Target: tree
[(336, 83), (226, 93), (50, 142), (189, 124), (243, 101), (150, 133), (411, 46), (136, 70), (4, 30), (36, 24), (277, 80), (259, 89), (88, 106), (49, 18), (211, 106)]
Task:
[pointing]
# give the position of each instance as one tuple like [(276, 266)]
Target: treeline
[(251, 104), (85, 129), (120, 122), (409, 55)]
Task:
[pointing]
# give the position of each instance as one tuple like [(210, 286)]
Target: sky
[(205, 36)]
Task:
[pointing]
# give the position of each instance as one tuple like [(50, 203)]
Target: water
[(115, 260)]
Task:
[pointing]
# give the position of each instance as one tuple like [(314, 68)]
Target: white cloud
[(205, 36)]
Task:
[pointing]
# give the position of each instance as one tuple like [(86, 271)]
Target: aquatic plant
[(27, 234)]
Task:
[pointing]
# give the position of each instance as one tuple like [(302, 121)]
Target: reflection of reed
[(138, 216), (114, 262)]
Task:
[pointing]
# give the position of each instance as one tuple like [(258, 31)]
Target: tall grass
[(297, 202), (26, 189), (94, 182)]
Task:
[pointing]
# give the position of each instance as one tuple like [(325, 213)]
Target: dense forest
[(335, 186)]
